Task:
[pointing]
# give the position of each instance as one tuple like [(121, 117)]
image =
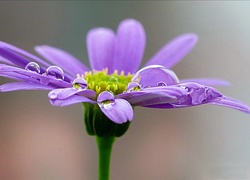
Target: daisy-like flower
[(114, 85)]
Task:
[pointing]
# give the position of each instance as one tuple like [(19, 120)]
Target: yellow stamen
[(100, 81)]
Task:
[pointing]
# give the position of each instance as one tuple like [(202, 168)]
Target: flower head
[(114, 85)]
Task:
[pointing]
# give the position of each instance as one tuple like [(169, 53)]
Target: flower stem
[(105, 148)]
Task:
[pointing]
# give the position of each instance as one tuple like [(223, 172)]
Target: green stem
[(105, 148)]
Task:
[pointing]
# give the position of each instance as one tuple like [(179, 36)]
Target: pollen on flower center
[(100, 81)]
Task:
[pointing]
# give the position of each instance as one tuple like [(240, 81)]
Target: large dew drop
[(55, 71), (80, 83), (32, 66), (106, 99), (52, 95), (133, 86)]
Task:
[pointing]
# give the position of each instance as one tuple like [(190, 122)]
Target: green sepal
[(88, 116), (98, 124)]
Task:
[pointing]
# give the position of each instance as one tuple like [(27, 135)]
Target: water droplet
[(80, 83), (52, 95), (184, 87), (107, 103), (133, 86), (161, 83), (113, 79), (32, 66), (106, 99), (55, 71), (181, 86)]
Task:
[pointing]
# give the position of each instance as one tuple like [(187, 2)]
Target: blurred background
[(41, 142)]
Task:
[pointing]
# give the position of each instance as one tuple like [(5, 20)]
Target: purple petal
[(174, 51), (199, 94), (30, 76), (18, 73), (155, 95), (13, 57), (71, 100), (18, 56), (19, 77), (61, 58), (100, 44), (64, 93), (225, 101), (152, 75), (232, 103), (161, 106), (207, 81), (6, 61), (195, 94), (88, 93), (119, 111), (16, 86), (129, 46)]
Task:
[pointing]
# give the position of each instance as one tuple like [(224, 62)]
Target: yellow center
[(100, 81)]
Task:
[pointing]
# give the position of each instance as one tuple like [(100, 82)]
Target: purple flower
[(114, 85)]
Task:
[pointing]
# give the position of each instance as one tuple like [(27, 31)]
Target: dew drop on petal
[(181, 86), (161, 83), (133, 86), (33, 66), (52, 95), (106, 99), (80, 83), (55, 71), (184, 87)]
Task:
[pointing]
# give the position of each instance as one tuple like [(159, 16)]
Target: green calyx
[(100, 81), (98, 124)]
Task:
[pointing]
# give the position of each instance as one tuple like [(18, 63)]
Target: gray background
[(38, 141)]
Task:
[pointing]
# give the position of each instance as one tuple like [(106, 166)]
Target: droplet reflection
[(55, 71), (80, 83), (32, 66), (133, 86), (106, 99), (161, 83)]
